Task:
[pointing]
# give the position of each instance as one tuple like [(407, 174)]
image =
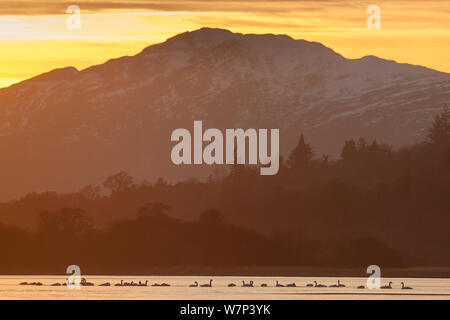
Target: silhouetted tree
[(302, 155), (362, 144), (153, 210), (67, 221), (91, 192), (211, 216), (440, 130), (349, 150), (118, 182)]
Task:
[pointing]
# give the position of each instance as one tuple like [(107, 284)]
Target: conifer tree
[(302, 155)]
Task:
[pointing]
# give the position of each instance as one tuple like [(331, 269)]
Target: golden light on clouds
[(34, 36)]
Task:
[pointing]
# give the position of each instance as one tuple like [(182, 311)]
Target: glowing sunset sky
[(34, 36)]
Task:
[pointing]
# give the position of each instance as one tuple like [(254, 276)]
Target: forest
[(372, 205)]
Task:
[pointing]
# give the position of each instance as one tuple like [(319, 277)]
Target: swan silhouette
[(250, 284), (338, 285), (195, 285), (106, 284), (207, 285), (291, 285), (84, 282), (310, 285), (360, 287), (23, 283), (263, 284), (142, 284), (405, 288), (278, 284), (389, 286), (119, 284), (56, 284), (165, 285), (35, 284), (316, 285), (232, 285)]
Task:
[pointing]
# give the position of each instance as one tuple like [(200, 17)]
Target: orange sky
[(35, 38)]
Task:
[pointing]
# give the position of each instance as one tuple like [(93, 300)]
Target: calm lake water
[(423, 288)]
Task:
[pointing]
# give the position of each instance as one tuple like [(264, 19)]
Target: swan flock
[(196, 284)]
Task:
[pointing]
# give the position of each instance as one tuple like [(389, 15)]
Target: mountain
[(67, 128)]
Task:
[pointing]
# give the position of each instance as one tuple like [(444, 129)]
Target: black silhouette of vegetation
[(374, 205)]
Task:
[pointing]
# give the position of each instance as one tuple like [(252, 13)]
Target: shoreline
[(418, 272)]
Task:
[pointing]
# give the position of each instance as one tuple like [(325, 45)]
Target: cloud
[(31, 7)]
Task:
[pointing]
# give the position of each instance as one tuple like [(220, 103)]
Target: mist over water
[(423, 288)]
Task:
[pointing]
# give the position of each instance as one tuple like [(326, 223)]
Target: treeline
[(154, 240), (373, 205)]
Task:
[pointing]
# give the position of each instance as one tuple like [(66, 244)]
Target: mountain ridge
[(67, 128), (214, 31)]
